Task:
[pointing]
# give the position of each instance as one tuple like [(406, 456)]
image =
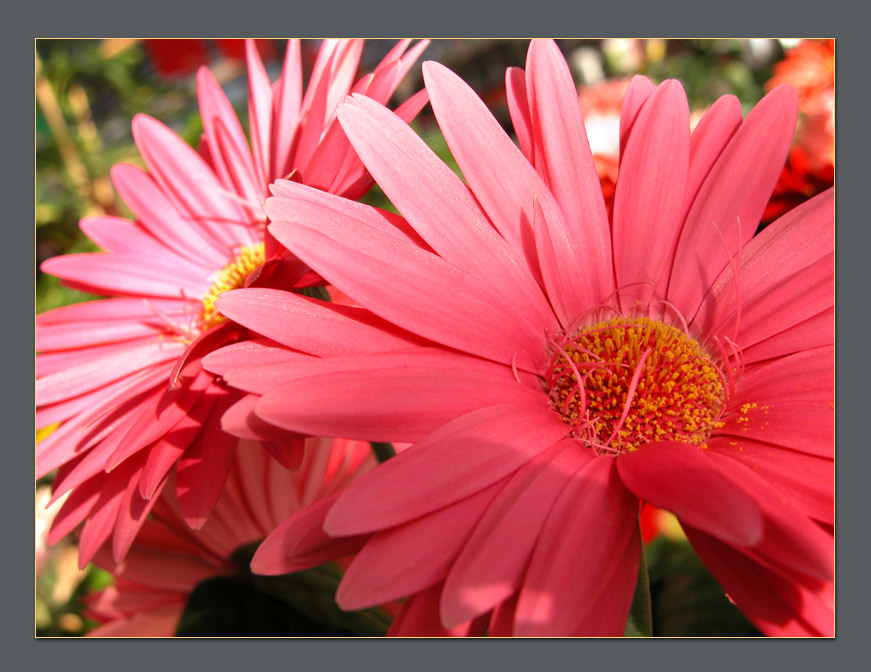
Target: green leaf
[(686, 600), (295, 605), (230, 607), (382, 451)]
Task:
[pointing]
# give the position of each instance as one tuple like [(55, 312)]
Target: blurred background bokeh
[(88, 91)]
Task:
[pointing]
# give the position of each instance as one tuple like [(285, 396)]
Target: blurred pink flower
[(168, 559), (554, 366), (123, 376)]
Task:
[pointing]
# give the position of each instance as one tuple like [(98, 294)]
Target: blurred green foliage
[(296, 605), (58, 611), (686, 601)]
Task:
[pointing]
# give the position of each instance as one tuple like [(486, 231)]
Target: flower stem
[(640, 621), (382, 451)]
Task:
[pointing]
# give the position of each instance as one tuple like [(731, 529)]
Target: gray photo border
[(446, 18)]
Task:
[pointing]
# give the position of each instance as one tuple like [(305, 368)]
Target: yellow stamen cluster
[(232, 276), (630, 381)]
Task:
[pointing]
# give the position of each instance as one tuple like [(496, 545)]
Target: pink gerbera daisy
[(556, 367), (168, 560), (123, 376)]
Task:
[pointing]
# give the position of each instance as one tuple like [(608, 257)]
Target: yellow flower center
[(629, 381), (232, 276)]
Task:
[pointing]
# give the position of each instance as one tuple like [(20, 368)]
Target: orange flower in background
[(810, 68), (810, 169), (600, 108)]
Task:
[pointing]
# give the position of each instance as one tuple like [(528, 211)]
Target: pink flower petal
[(312, 326), (121, 236), (406, 62), (75, 509), (164, 220), (343, 69), (639, 90), (489, 570), (189, 182), (107, 421), (390, 397), (709, 138), (94, 374), (790, 541), (649, 195), (275, 555), (83, 334), (77, 471), (293, 202), (260, 377), (157, 416), (241, 180), (427, 295), (419, 617), (413, 556), (815, 332), (580, 555), (795, 250), (480, 448), (106, 396), (804, 426), (732, 198), (285, 116), (259, 112), (118, 274), (255, 352), (229, 148), (240, 420), (204, 468), (432, 198), (101, 518), (507, 186), (121, 309), (563, 156), (165, 453), (680, 478), (51, 362), (775, 605), (502, 180), (352, 180), (132, 514), (518, 108), (807, 480), (158, 622), (502, 621), (804, 376), (316, 110), (170, 564), (320, 70), (334, 156)]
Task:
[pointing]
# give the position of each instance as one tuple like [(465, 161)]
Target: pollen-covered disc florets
[(630, 381), (232, 276)]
